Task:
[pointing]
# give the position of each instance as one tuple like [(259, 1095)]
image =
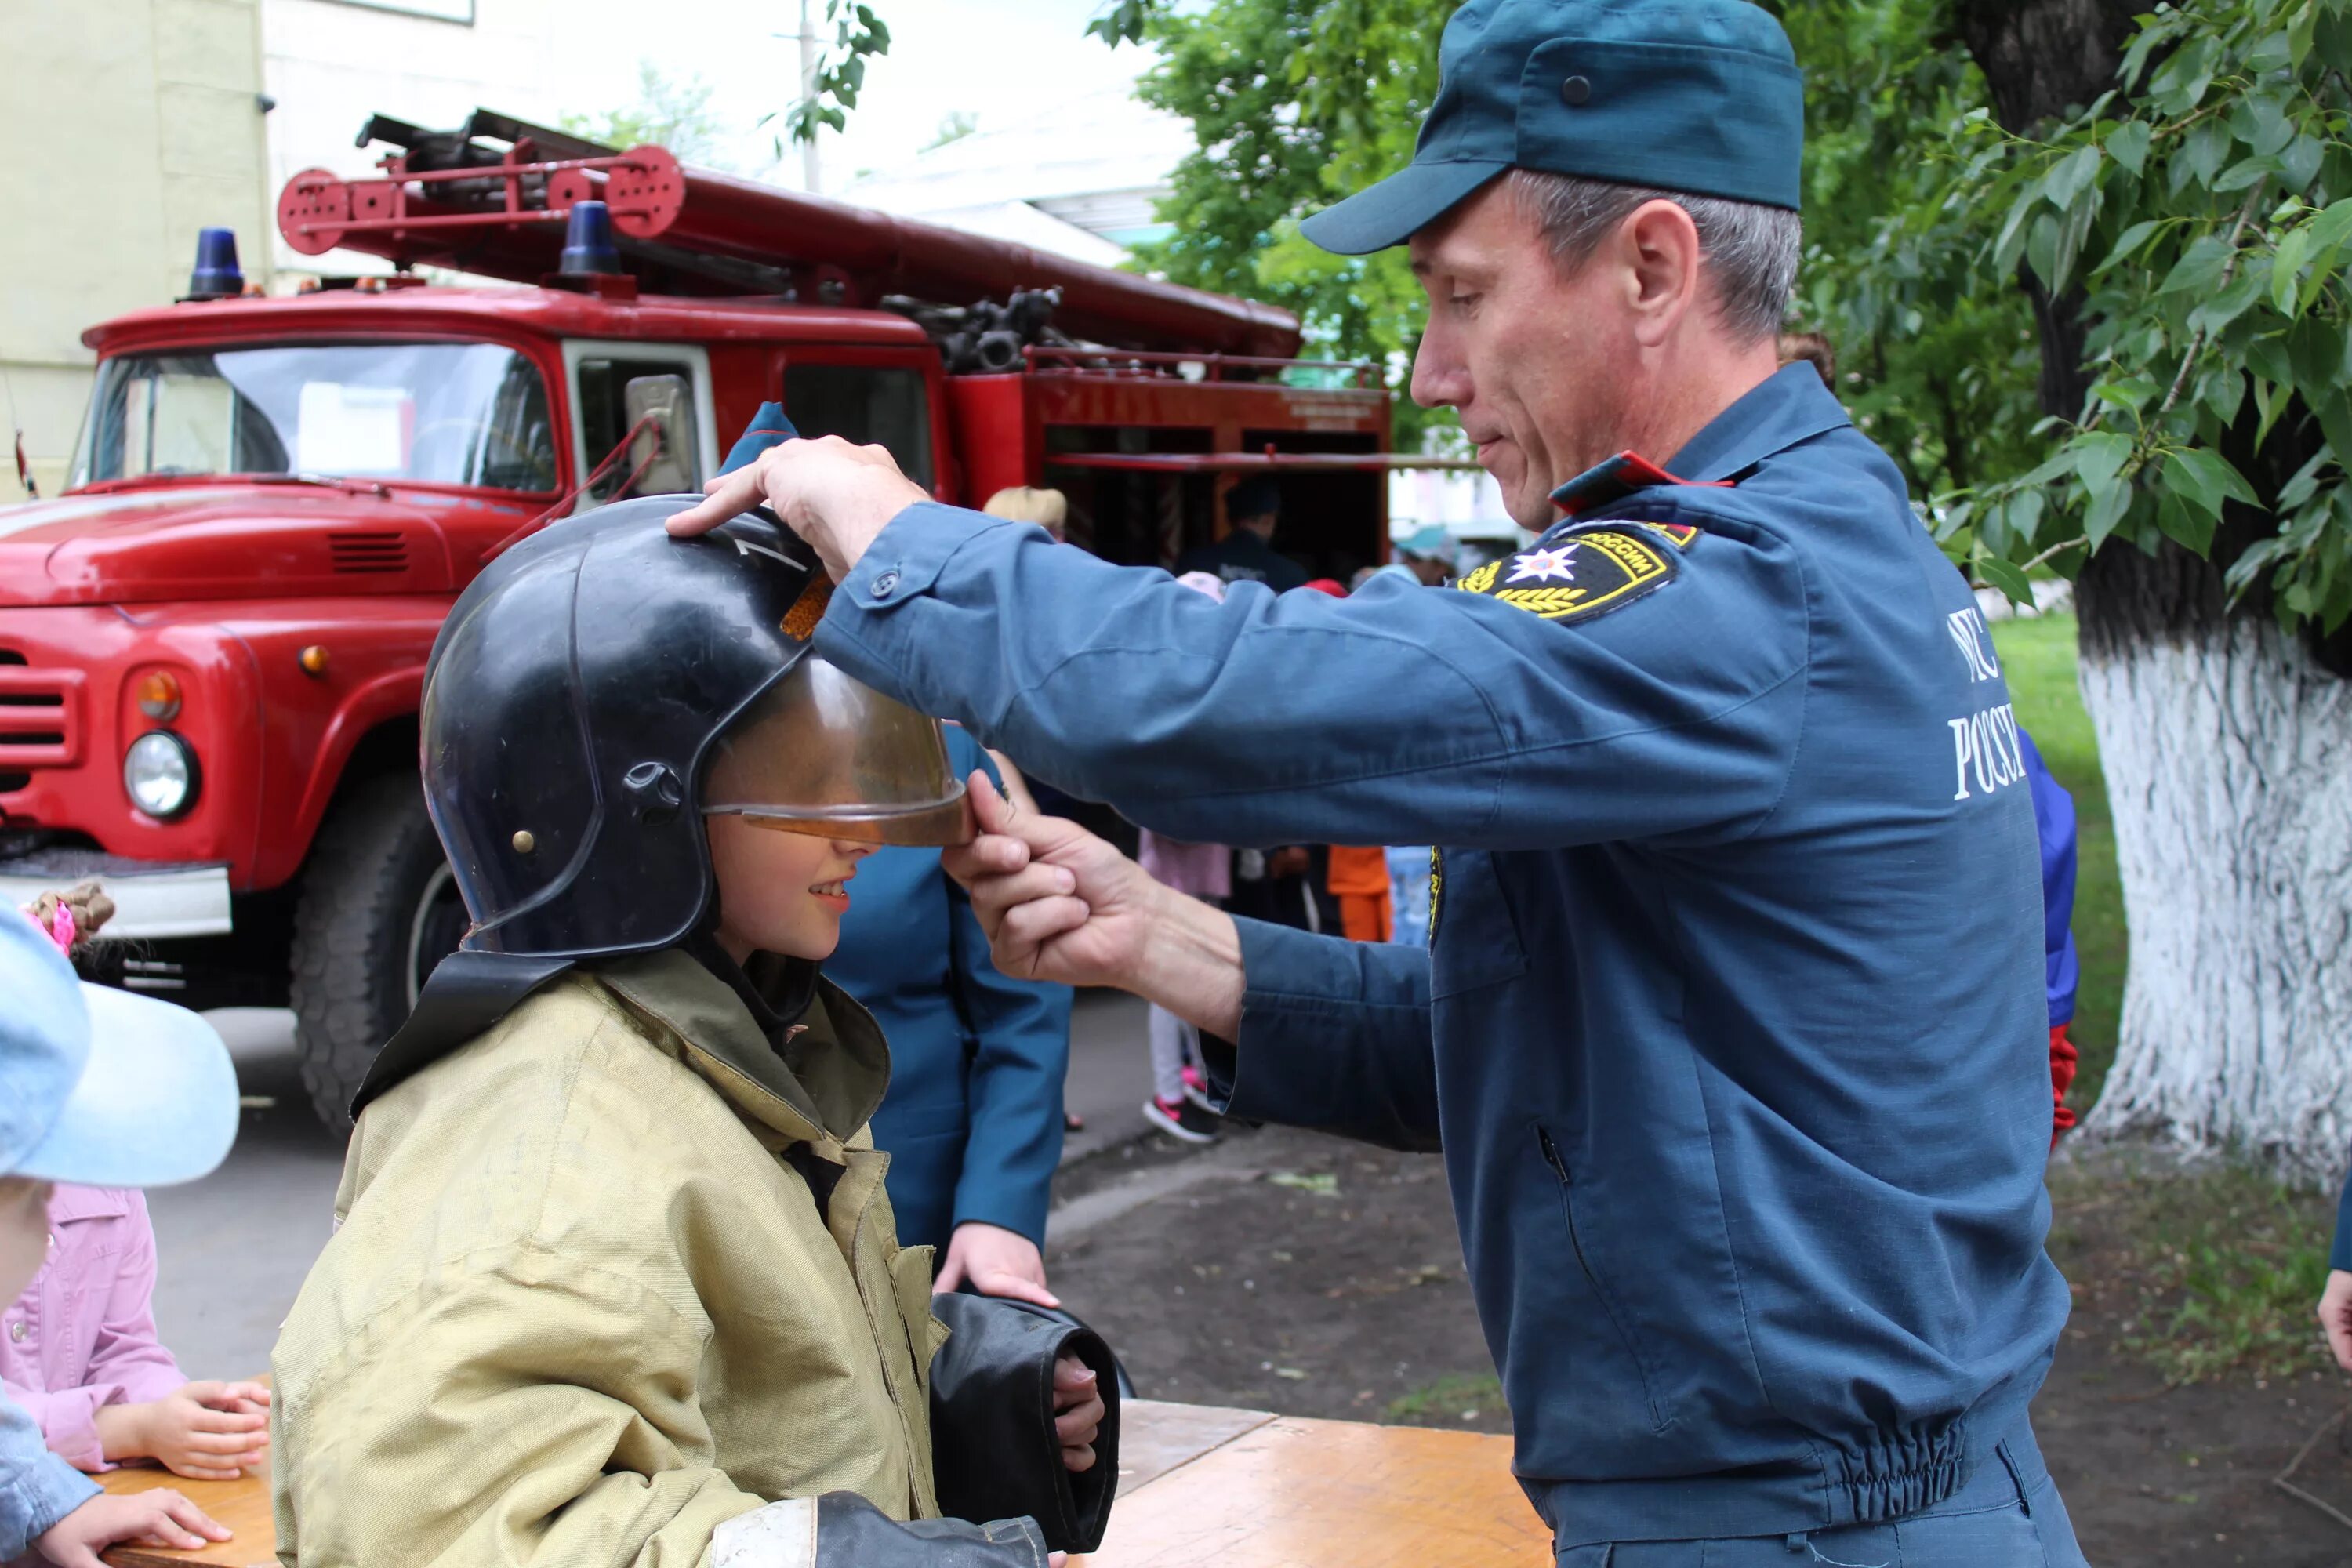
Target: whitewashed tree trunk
[(2228, 753)]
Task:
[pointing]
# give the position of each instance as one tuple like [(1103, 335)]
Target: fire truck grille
[(40, 719), (367, 555)]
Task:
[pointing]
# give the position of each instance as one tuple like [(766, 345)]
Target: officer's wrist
[(1193, 963)]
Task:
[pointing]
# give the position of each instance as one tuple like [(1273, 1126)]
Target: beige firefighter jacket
[(579, 1310)]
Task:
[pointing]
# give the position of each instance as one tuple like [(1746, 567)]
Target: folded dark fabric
[(852, 1533), (995, 1452)]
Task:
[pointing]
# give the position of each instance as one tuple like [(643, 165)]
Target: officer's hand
[(832, 494), (1057, 903), (2336, 1316)]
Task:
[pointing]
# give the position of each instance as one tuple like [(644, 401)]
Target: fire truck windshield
[(452, 413)]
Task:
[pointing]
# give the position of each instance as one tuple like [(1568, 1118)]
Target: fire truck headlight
[(160, 773)]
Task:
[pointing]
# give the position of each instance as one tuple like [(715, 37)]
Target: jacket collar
[(818, 1089), (1786, 407), (69, 1202)]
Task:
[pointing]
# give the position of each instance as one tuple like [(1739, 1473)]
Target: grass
[(1448, 1401), (2197, 1272), (2038, 658)]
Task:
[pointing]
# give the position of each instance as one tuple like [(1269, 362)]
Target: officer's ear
[(1657, 246)]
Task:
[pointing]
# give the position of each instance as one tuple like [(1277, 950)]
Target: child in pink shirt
[(77, 1349), (79, 1352)]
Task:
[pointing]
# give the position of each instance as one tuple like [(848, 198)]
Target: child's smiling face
[(778, 891)]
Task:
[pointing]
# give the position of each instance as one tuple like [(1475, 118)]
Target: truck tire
[(378, 910)]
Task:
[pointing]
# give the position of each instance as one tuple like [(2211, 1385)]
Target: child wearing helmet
[(615, 1279)]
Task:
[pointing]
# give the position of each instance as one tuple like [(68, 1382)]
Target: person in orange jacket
[(1358, 878)]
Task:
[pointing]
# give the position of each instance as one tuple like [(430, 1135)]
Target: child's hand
[(1078, 1408), (996, 1262), (238, 1398), (206, 1431), (162, 1516)]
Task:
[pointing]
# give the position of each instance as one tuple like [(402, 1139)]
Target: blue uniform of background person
[(972, 1121), (1750, 1260), (974, 1118)]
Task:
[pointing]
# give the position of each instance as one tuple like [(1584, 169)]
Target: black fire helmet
[(592, 694)]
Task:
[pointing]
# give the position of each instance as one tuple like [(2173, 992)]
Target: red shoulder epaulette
[(1616, 478)]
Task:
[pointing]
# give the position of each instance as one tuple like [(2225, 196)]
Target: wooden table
[(1268, 1491), (1198, 1485), (243, 1505)]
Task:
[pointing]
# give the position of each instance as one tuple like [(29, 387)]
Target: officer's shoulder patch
[(1567, 578)]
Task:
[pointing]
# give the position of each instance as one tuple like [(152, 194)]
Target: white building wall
[(131, 124)]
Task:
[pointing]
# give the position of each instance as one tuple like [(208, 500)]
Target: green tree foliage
[(1936, 353), (667, 114), (2192, 216), (858, 36), (1294, 105)]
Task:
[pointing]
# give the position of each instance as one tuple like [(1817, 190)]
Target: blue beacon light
[(588, 240), (216, 274)]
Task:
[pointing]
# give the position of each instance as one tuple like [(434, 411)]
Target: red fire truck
[(211, 645)]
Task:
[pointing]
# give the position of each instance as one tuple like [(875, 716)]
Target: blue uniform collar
[(1788, 406)]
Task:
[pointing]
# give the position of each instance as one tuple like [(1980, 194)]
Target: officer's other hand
[(835, 495), (1077, 1412), (2336, 1316), (1057, 903), (995, 1262)]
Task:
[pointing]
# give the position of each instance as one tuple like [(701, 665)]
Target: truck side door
[(599, 371)]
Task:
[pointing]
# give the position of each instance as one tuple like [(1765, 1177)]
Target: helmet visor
[(821, 753)]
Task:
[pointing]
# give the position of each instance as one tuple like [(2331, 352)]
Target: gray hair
[(1750, 249)]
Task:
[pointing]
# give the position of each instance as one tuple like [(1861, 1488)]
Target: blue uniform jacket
[(972, 1121), (1732, 1029)]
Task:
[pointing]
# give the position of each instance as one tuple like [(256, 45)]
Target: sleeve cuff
[(35, 1497), (906, 557), (70, 1425), (1023, 1213), (2340, 1255), (1334, 1035)]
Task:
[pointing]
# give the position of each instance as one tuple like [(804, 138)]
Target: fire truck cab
[(212, 644)]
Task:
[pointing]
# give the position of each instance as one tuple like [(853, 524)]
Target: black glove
[(994, 1451)]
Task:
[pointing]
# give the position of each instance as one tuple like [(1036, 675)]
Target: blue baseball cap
[(1699, 97), (1429, 538), (99, 1085)]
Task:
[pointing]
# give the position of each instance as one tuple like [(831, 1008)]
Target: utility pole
[(808, 95)]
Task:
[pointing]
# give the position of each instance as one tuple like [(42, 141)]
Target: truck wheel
[(379, 909)]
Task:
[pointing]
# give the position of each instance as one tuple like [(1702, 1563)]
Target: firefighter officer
[(1732, 1031)]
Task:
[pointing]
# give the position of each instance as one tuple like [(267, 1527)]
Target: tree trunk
[(2228, 753), (2227, 748)]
